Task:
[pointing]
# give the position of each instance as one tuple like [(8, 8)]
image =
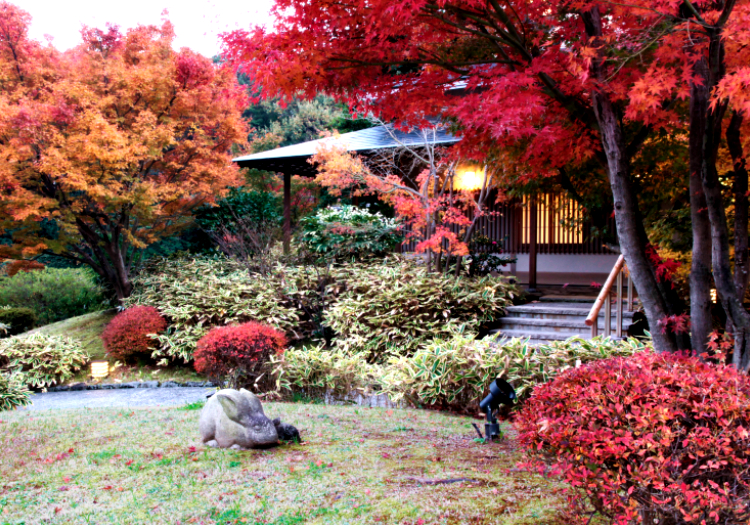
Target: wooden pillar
[(532, 243), (287, 211)]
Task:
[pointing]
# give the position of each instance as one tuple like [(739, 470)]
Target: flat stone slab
[(122, 398)]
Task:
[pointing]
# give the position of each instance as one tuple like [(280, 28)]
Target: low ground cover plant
[(318, 373), (53, 293), (239, 354), (395, 309), (17, 319), (41, 360), (13, 392), (131, 332), (390, 305), (451, 373), (653, 438), (349, 232)]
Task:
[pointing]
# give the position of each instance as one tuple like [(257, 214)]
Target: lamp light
[(501, 393), (468, 177), (99, 369)]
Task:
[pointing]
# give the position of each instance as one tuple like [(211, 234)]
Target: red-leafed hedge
[(239, 353), (652, 438), (128, 332)]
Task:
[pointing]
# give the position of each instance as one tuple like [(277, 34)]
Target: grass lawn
[(87, 329), (358, 466)]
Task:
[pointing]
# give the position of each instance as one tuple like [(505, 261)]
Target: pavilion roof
[(294, 159)]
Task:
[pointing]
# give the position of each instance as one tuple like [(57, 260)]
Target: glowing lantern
[(468, 178), (99, 369)]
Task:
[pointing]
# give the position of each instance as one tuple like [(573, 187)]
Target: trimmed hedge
[(54, 294), (18, 320), (653, 438), (128, 333), (239, 354)]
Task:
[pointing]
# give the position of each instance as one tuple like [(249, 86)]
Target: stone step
[(538, 337), (556, 325), (557, 311)]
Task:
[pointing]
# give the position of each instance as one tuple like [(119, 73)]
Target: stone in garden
[(235, 419), (170, 384)]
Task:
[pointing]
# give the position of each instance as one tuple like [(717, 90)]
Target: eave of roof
[(294, 157)]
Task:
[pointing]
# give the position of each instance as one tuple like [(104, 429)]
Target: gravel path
[(137, 397)]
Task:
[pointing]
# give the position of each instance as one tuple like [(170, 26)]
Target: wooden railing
[(605, 299)]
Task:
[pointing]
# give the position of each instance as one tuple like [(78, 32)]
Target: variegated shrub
[(41, 360)]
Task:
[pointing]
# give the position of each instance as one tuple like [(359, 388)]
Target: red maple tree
[(563, 84)]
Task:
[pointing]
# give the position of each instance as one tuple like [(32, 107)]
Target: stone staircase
[(555, 318)]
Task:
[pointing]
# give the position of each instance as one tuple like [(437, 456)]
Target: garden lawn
[(357, 466)]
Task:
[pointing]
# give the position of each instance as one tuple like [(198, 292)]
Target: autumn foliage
[(649, 438), (239, 353), (127, 334), (114, 142)]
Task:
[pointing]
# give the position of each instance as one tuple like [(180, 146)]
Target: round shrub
[(18, 319), (349, 231), (127, 334), (239, 354), (40, 360), (653, 438)]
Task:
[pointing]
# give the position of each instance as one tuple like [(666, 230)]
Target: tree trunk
[(740, 188), (700, 268), (630, 229), (106, 258), (737, 317)]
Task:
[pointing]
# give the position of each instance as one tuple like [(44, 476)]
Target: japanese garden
[(421, 263)]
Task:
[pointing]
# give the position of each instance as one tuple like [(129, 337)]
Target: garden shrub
[(653, 438), (349, 232), (200, 293), (239, 354), (255, 207), (41, 360), (18, 320), (13, 393), (129, 333), (53, 293), (319, 373), (455, 373), (391, 304), (396, 308)]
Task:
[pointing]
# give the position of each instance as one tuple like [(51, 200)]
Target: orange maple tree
[(114, 142)]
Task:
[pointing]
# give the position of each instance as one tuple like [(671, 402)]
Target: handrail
[(604, 298)]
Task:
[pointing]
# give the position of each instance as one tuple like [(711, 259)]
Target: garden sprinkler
[(501, 393)]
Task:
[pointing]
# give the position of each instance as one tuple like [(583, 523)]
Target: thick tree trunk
[(106, 256), (630, 229), (737, 317), (700, 268), (740, 188)]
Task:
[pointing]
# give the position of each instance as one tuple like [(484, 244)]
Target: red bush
[(127, 334), (238, 353), (652, 438)]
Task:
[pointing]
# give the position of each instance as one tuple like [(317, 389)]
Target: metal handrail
[(605, 299)]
